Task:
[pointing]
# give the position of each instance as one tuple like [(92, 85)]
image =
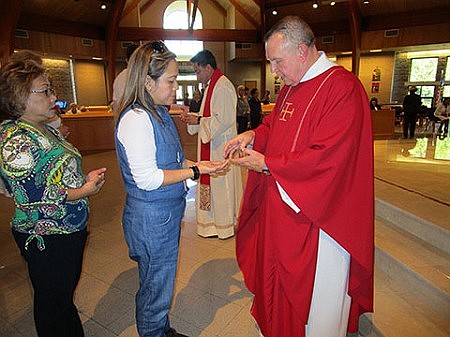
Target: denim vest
[(169, 156)]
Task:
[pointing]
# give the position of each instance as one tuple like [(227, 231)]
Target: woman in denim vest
[(154, 171)]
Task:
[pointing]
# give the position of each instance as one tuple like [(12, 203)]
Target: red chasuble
[(318, 147)]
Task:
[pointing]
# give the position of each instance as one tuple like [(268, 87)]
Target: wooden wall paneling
[(60, 45), (255, 52), (430, 16), (408, 36), (9, 16), (43, 23), (423, 35), (342, 42)]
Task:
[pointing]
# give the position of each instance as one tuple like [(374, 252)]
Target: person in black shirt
[(196, 102), (255, 109), (411, 107)]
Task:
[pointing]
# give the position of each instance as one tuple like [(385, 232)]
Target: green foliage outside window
[(423, 69)]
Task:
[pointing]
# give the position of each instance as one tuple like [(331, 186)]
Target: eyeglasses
[(48, 92), (158, 46)]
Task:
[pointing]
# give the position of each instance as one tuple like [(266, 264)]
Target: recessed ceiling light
[(274, 12), (315, 4)]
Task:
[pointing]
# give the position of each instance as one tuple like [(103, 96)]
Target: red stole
[(205, 149)]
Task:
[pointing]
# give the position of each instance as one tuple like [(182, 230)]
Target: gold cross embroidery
[(286, 111)]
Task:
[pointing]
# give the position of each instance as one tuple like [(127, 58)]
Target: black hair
[(203, 58)]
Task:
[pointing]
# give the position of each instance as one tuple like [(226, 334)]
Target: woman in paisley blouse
[(43, 174)]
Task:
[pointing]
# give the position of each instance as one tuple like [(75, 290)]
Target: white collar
[(322, 64)]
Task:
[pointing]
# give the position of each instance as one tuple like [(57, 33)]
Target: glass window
[(176, 17), (446, 92), (179, 94), (426, 92), (447, 70), (423, 69)]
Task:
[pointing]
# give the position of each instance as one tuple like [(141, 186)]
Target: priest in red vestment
[(305, 238)]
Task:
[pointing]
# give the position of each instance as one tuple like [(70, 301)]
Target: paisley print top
[(38, 170)]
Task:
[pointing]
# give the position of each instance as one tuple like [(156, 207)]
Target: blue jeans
[(152, 232)]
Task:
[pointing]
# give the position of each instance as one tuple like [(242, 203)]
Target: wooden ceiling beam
[(282, 3), (146, 6), (194, 13), (210, 35), (219, 7), (244, 13), (130, 7)]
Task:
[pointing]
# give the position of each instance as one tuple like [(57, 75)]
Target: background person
[(266, 97), (43, 173), (242, 110), (255, 109), (196, 102), (374, 104), (154, 171), (411, 108), (121, 78), (307, 213), (443, 112)]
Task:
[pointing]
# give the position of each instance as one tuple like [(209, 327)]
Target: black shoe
[(173, 333)]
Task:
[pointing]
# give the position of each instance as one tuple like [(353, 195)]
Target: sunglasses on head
[(158, 47)]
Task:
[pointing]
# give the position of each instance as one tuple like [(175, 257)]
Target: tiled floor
[(210, 299)]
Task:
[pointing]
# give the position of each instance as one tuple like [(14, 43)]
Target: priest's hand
[(189, 118), (238, 143), (250, 159)]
